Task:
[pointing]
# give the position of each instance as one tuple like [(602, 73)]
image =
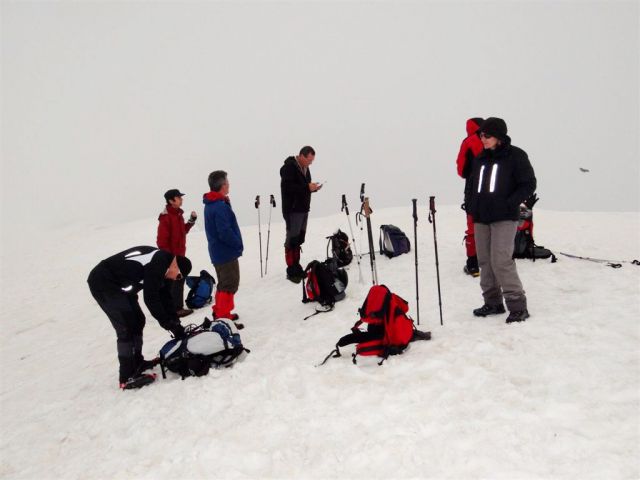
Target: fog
[(107, 105)]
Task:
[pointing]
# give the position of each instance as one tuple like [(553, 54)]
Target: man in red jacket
[(471, 147), (172, 237)]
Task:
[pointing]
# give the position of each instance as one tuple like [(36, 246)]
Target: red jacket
[(172, 231), (471, 147)]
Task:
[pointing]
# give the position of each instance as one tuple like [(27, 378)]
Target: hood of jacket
[(211, 197), (473, 124)]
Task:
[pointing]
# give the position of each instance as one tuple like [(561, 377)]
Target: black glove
[(178, 332), (531, 201)]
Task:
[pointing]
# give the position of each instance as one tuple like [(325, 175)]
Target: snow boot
[(471, 268), (138, 382), (148, 364), (518, 316), (486, 310), (183, 312)]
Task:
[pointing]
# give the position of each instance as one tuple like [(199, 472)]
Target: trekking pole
[(345, 208), (259, 232), (359, 217), (366, 210), (272, 203), (432, 219), (415, 240)]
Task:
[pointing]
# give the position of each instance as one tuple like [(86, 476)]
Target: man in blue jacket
[(225, 244)]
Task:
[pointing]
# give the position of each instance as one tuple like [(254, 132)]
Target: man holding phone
[(296, 188)]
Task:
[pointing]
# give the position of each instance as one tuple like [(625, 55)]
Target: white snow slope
[(554, 397)]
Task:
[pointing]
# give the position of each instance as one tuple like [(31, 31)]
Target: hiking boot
[(486, 310), (471, 268), (148, 364), (138, 382), (518, 316), (474, 272), (233, 317), (183, 312), (295, 273)]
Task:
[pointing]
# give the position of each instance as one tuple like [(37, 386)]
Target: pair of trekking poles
[(272, 204), (365, 211)]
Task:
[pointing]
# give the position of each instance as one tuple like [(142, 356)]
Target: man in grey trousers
[(502, 178)]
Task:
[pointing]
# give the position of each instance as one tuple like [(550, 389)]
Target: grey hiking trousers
[(498, 273)]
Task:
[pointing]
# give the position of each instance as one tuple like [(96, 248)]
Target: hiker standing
[(225, 244), (471, 147), (296, 188), (502, 177), (172, 237), (115, 283)]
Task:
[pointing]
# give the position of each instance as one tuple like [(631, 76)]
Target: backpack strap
[(356, 336), (319, 311)]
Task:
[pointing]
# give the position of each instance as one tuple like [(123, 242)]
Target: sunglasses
[(485, 135)]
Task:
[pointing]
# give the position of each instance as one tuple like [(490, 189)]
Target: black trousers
[(296, 224), (177, 293), (128, 321)]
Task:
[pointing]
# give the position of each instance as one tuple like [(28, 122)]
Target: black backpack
[(200, 290), (393, 241), (340, 249), (324, 283)]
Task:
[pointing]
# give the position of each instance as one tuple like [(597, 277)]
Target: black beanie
[(495, 127), (184, 264)]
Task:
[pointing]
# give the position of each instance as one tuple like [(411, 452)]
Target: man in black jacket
[(115, 283), (502, 178), (296, 188)]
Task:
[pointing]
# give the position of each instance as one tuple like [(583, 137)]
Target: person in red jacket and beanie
[(471, 147), (172, 237)]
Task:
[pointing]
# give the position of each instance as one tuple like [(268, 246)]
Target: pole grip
[(415, 209), (345, 207), (257, 201), (273, 201), (362, 192), (432, 204)]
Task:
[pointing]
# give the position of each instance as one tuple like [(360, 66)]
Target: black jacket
[(135, 269), (294, 187), (501, 179)]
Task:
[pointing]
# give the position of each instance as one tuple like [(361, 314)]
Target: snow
[(554, 397)]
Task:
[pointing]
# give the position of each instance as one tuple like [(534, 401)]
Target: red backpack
[(389, 329)]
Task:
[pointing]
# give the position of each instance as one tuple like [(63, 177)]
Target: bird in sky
[(584, 170)]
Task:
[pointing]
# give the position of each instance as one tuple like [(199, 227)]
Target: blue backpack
[(393, 241), (201, 290)]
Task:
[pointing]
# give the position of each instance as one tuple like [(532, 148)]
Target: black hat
[(184, 264), (495, 127), (171, 194)]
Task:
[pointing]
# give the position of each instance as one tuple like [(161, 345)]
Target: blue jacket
[(223, 232)]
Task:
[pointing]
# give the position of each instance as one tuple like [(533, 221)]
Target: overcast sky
[(107, 105)]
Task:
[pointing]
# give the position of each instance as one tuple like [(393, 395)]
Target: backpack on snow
[(214, 344), (393, 241), (200, 290), (523, 244), (324, 283), (389, 329), (340, 249)]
